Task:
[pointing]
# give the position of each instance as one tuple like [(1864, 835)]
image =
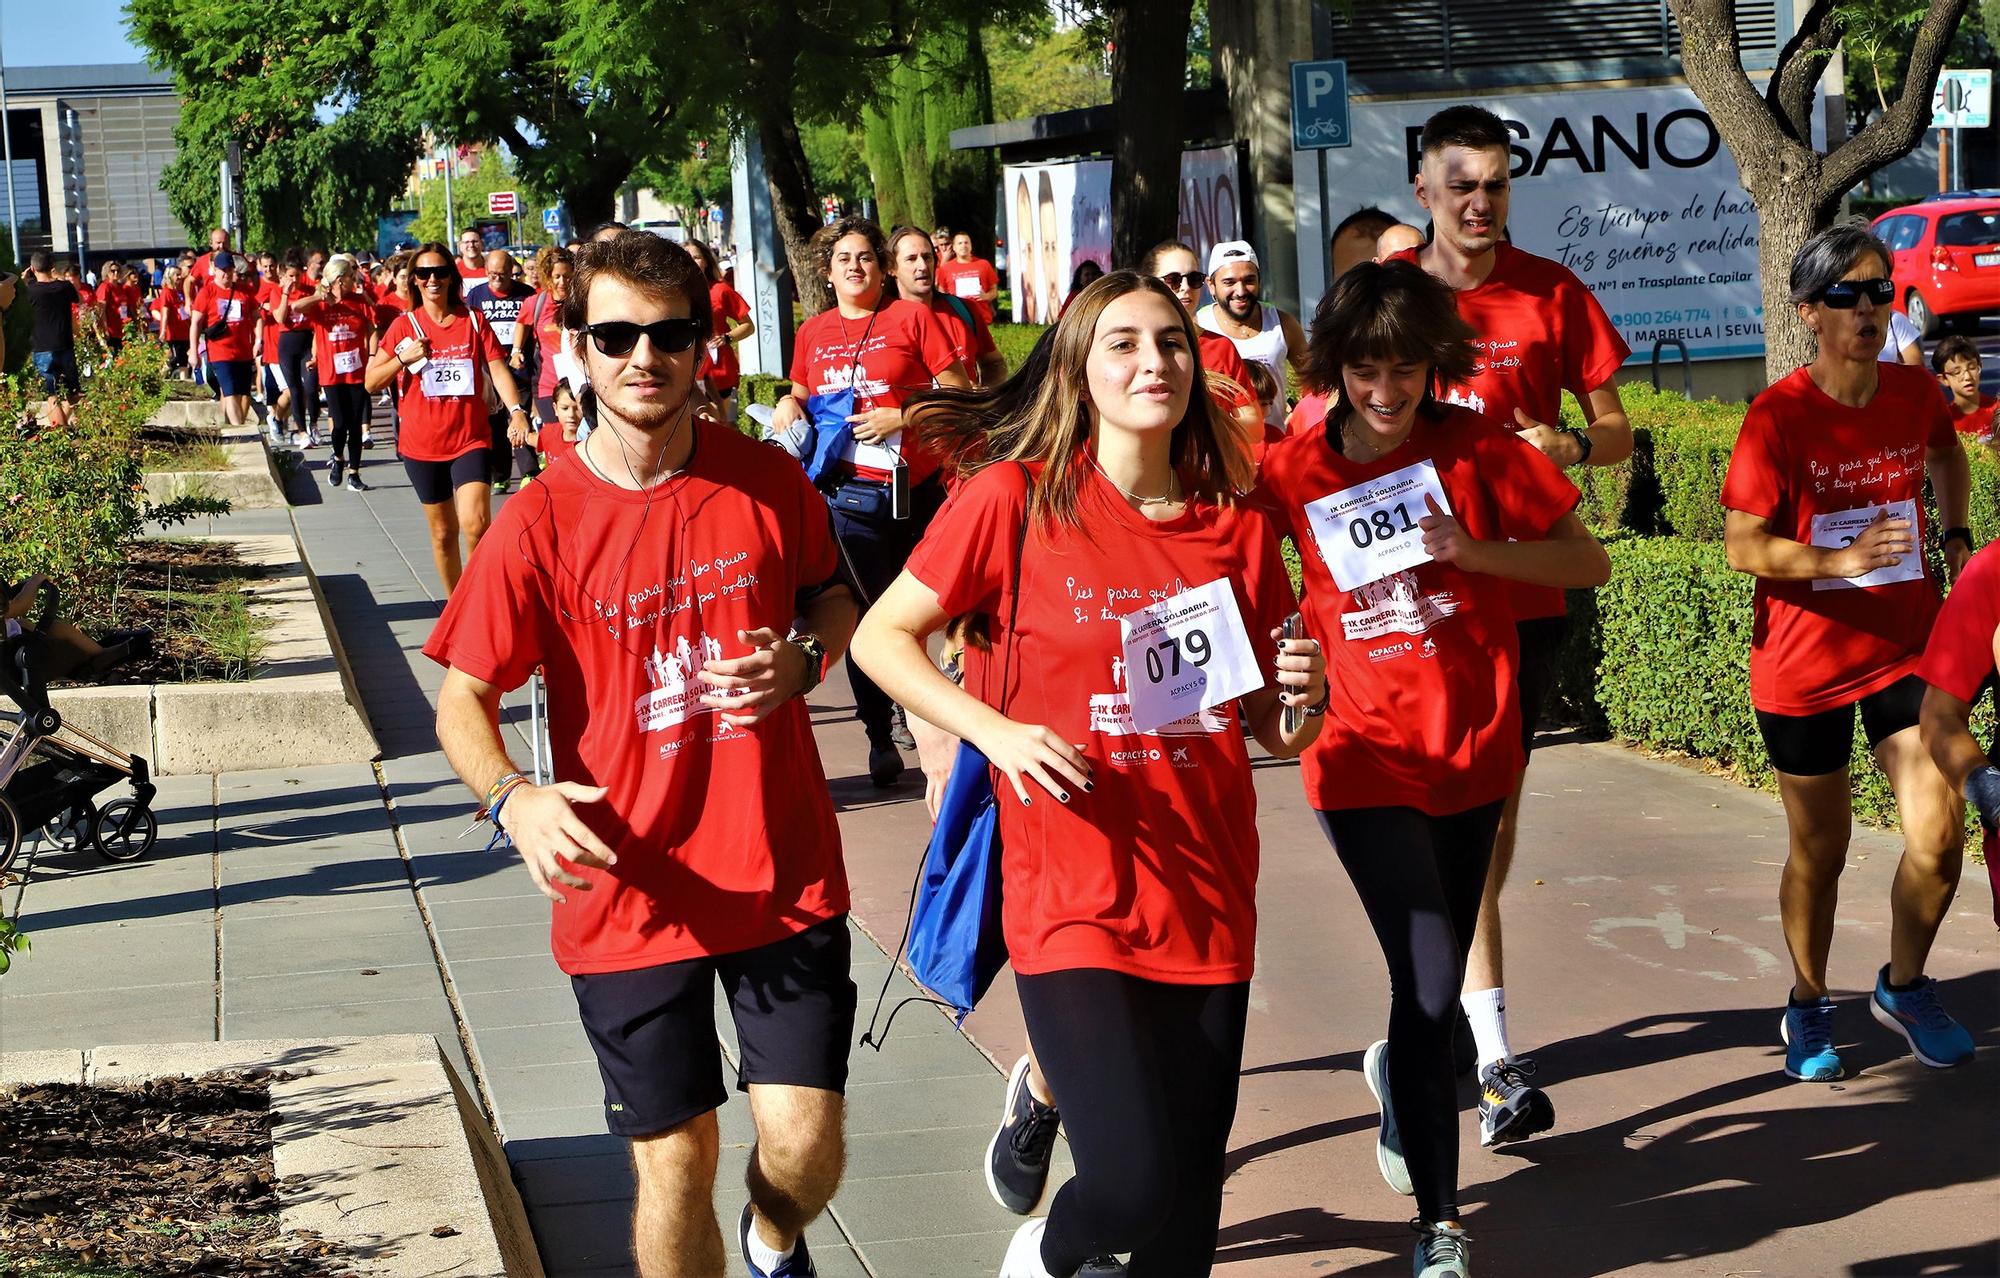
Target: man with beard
[(688, 833), (913, 262), (498, 298), (1262, 334)]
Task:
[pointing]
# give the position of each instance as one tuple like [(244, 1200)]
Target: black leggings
[(294, 354), (1146, 1073), (348, 404), (1419, 878)]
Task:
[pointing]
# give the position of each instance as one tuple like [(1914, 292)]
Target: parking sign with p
[(1319, 105)]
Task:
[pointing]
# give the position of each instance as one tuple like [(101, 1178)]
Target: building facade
[(89, 144)]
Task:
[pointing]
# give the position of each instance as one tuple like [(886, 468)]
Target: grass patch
[(184, 455), (192, 594)]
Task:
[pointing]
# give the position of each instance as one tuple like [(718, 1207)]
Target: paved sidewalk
[(1646, 970)]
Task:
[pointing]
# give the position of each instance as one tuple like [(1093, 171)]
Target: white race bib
[(1369, 531), (1841, 528), (448, 378), (232, 311), (504, 330), (347, 361), (965, 286), (1187, 654)]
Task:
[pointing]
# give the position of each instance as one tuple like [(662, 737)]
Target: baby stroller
[(52, 773)]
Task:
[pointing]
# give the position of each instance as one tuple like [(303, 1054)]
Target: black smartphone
[(1295, 628), (899, 490)]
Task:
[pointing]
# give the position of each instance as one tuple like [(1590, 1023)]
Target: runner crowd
[(1066, 578)]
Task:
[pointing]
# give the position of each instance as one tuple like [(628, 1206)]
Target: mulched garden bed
[(174, 586), (168, 1177)]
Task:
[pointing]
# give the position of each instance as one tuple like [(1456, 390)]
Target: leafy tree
[(1876, 38), (490, 171), (288, 80), (960, 96), (834, 154), (1798, 188), (1038, 69)]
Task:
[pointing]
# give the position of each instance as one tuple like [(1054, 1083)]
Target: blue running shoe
[(1808, 1034), (797, 1265), (1938, 1041)]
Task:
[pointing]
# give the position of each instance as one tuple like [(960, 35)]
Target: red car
[(1945, 259)]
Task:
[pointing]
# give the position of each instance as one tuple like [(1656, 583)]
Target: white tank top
[(1267, 348)]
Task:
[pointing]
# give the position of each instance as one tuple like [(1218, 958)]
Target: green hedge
[(757, 388)]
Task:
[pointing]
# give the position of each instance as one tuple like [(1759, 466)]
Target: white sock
[(764, 1256), (1487, 1010)]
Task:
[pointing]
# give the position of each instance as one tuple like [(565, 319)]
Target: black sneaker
[(1017, 1158), (797, 1265), (899, 730), (334, 473), (354, 484), (1510, 1109), (885, 764)]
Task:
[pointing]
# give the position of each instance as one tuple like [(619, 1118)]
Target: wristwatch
[(1582, 438), (1962, 534), (815, 658)]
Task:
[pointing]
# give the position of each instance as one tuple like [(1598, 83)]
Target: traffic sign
[(1963, 100), (552, 220), (502, 203), (1319, 105)]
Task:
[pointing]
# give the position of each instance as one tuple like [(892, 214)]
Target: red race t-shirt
[(268, 295), (120, 303), (443, 404), (171, 308), (1539, 332), (471, 273), (1801, 456), (340, 339), (970, 343), (1979, 422), (727, 307), (1958, 659), (236, 306), (1422, 663), (969, 280), (545, 313), (1154, 872), (886, 357), (725, 836)]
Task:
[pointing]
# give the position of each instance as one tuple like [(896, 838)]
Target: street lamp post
[(7, 151)]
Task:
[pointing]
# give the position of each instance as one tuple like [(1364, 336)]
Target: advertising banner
[(1632, 189), (1059, 216)]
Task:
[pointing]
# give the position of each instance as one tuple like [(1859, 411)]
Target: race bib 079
[(1187, 654), (1842, 527), (448, 378), (1369, 531)]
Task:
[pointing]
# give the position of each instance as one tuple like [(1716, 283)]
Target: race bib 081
[(1369, 531)]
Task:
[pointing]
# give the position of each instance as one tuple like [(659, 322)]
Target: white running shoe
[(1024, 1254), (1388, 1141)]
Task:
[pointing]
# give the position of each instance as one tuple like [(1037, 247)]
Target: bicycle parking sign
[(1319, 105)]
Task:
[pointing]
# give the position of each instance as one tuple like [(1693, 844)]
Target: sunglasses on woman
[(432, 272), (1178, 280), (1847, 294), (616, 338)]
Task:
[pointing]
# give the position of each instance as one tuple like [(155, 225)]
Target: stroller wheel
[(124, 831), (10, 832), (66, 833)]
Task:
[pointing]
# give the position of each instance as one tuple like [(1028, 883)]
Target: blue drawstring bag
[(956, 947), (831, 432), (954, 941)]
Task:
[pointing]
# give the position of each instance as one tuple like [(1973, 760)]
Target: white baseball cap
[(1231, 251)]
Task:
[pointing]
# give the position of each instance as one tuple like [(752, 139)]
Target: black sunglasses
[(616, 338), (432, 272), (1847, 294), (1178, 280)]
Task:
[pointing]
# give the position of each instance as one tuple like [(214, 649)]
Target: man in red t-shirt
[(913, 261), (471, 260), (227, 315), (970, 278), (676, 584), (1539, 333), (218, 242)]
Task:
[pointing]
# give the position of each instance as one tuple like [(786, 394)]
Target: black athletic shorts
[(653, 1029), (1813, 745), (436, 481), (1541, 640)]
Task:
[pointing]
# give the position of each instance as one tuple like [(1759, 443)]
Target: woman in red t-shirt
[(1104, 500), (539, 337), (858, 361), (732, 325), (1412, 516), (170, 314), (1825, 494), (342, 328), (441, 356)]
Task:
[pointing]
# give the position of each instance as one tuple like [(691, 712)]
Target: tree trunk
[(793, 200), (594, 198), (1786, 221), (1148, 70)]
